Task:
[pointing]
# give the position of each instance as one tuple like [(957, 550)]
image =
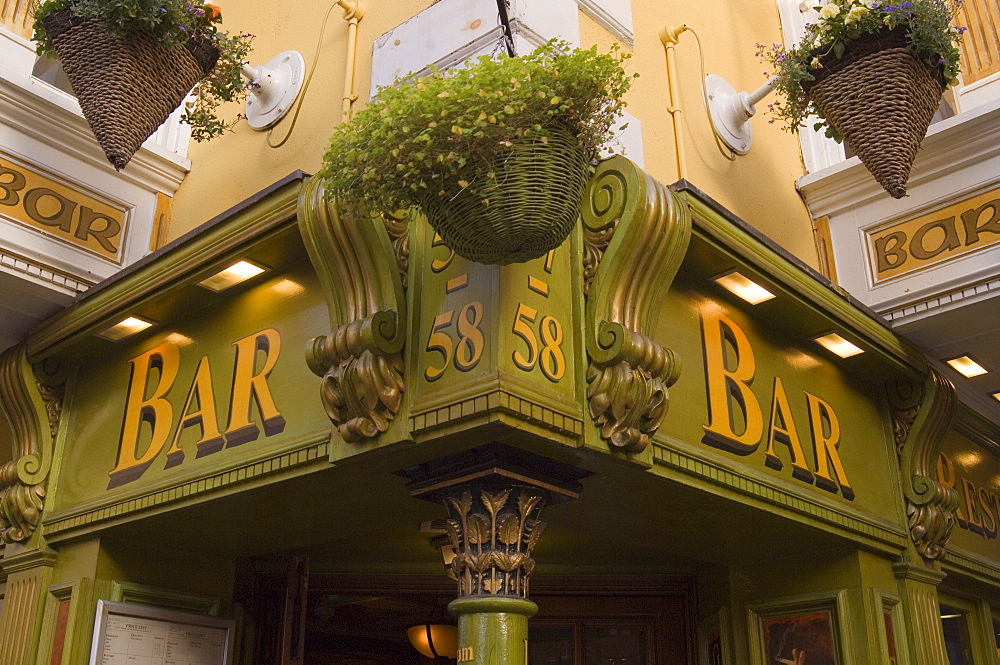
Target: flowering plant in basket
[(149, 28), (476, 135), (926, 28)]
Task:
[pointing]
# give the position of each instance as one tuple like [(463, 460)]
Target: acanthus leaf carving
[(636, 235), (493, 537), (361, 261)]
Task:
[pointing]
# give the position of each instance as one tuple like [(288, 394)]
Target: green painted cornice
[(813, 305), (180, 263)]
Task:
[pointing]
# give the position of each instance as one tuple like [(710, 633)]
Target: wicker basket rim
[(863, 47), (201, 48)]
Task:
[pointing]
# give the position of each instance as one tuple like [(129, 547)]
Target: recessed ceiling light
[(743, 287), (996, 396), (124, 328), (966, 366), (231, 276), (838, 345)]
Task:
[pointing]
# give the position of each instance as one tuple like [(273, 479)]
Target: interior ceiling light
[(124, 328), (434, 640), (231, 276), (743, 287), (966, 366), (838, 345), (996, 396)]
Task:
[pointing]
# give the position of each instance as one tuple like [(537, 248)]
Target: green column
[(493, 630)]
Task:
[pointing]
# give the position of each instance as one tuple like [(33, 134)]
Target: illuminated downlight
[(834, 343), (743, 287), (124, 328), (966, 366), (240, 271), (996, 396)]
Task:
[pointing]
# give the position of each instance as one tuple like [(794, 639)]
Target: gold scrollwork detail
[(932, 521), (26, 405), (602, 211), (627, 393), (362, 370), (636, 234), (922, 413), (362, 263), (493, 535)]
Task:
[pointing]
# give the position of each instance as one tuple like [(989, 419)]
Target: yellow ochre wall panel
[(759, 187)]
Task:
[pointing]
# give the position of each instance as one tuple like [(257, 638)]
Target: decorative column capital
[(494, 495)]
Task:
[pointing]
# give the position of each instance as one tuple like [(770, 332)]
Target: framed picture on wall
[(804, 630), (126, 633)]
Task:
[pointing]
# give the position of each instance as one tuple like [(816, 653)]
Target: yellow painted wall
[(758, 187)]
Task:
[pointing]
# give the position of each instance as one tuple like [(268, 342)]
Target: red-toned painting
[(805, 639)]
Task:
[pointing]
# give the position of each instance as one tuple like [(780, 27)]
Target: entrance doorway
[(599, 620)]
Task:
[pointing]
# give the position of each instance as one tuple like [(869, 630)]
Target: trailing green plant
[(429, 133), (930, 35), (172, 23)]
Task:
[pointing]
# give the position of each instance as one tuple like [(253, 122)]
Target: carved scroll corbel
[(32, 407), (636, 234), (922, 414), (361, 263)]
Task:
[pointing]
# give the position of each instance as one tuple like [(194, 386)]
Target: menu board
[(127, 634)]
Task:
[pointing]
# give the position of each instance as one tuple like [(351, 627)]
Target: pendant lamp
[(434, 640)]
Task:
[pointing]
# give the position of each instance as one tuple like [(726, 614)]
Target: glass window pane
[(616, 645), (550, 645), (956, 636)]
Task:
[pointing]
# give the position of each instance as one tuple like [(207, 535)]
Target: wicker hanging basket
[(126, 88), (880, 98), (527, 209)]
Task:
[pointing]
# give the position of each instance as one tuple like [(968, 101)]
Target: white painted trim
[(614, 15), (818, 151)]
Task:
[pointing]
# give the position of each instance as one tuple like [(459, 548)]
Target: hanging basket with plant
[(132, 62), (496, 153), (873, 72)]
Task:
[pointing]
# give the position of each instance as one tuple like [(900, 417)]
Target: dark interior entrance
[(363, 620)]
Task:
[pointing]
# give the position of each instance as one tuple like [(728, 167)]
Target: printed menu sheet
[(141, 641)]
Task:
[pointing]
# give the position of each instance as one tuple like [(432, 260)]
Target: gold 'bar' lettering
[(247, 385), (730, 385), (61, 210), (205, 417), (783, 431), (826, 438), (155, 410)]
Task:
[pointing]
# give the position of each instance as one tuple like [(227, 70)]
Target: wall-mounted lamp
[(731, 111), (728, 110), (273, 88)]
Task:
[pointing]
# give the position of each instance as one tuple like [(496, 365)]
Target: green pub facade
[(597, 456)]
